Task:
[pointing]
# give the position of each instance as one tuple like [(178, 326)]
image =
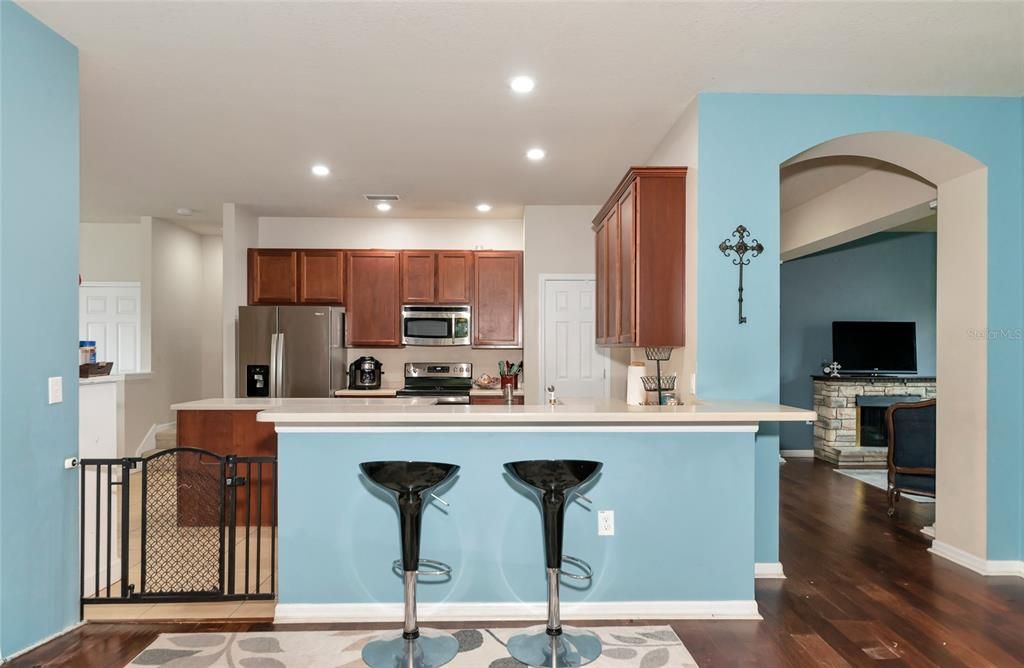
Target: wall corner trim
[(989, 568), (769, 571)]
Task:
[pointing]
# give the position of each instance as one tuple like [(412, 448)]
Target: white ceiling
[(191, 104)]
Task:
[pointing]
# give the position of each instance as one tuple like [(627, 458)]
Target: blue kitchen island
[(680, 481)]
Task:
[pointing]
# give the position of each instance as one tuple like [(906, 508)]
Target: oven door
[(424, 330)]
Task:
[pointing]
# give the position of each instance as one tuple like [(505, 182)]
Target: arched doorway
[(961, 182)]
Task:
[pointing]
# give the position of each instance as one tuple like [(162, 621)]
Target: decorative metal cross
[(833, 369), (740, 247)]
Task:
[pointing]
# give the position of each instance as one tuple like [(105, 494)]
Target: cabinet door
[(418, 277), (498, 298), (627, 266), (601, 272), (273, 276), (612, 315), (454, 277), (321, 277), (373, 298)]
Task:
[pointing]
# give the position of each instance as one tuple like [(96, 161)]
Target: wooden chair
[(911, 458)]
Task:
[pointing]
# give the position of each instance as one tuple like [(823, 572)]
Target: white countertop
[(380, 392), (390, 392), (97, 380), (324, 412), (343, 403)]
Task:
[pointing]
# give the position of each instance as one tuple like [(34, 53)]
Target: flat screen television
[(864, 347)]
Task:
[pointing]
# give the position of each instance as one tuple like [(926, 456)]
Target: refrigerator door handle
[(280, 364), (273, 365)]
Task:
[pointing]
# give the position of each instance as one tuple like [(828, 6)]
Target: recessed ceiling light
[(536, 154), (321, 170), (483, 208), (522, 84), (383, 206)]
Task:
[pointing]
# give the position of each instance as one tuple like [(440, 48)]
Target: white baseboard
[(5, 659), (929, 530), (769, 571), (975, 563), (797, 454), (503, 612)]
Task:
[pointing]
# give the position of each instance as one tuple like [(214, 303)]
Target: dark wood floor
[(861, 589)]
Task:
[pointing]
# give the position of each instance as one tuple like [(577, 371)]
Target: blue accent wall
[(683, 502), (886, 276), (743, 140), (38, 330)]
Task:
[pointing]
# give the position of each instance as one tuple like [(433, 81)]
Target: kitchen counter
[(245, 404), (359, 394), (680, 480), (390, 392), (323, 412)]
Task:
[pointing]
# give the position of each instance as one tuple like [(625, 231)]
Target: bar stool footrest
[(434, 568), (587, 571)]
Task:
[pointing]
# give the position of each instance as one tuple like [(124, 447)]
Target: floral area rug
[(623, 647)]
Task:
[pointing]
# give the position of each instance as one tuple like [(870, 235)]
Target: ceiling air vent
[(381, 198)]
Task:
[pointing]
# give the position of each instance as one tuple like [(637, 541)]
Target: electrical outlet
[(55, 387), (606, 523)]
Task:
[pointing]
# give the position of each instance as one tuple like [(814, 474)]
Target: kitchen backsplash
[(394, 359)]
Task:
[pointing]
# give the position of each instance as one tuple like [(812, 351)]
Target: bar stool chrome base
[(432, 649), (574, 647)]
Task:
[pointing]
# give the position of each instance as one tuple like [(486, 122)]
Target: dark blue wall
[(887, 276)]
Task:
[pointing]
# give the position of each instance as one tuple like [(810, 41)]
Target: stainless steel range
[(447, 382)]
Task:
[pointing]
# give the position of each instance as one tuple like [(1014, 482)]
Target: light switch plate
[(56, 389), (606, 523)]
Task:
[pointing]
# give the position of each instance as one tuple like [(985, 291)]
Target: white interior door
[(111, 315), (572, 361)]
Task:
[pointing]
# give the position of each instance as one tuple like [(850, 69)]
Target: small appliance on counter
[(365, 373), (447, 382)]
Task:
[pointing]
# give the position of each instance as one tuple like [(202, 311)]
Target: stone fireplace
[(850, 429)]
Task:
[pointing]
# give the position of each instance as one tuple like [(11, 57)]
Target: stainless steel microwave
[(435, 325)]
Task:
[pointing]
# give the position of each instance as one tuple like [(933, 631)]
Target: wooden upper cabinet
[(454, 277), (321, 277), (626, 326), (601, 263), (498, 299), (642, 232), (373, 298), (273, 276), (419, 271)]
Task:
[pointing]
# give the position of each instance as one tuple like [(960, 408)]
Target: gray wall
[(887, 276)]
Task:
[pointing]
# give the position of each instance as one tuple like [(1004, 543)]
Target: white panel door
[(572, 361), (111, 315)]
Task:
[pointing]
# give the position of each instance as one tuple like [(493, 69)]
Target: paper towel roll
[(635, 393)]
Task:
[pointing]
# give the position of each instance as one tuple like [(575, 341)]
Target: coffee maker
[(365, 373)]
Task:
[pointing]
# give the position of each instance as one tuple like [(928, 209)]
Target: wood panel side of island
[(235, 432)]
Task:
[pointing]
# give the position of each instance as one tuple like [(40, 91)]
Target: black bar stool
[(555, 645), (414, 647)]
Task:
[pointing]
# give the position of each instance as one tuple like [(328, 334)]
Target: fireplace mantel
[(835, 401), (872, 380)]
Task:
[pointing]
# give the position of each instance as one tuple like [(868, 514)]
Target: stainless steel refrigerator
[(291, 351)]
